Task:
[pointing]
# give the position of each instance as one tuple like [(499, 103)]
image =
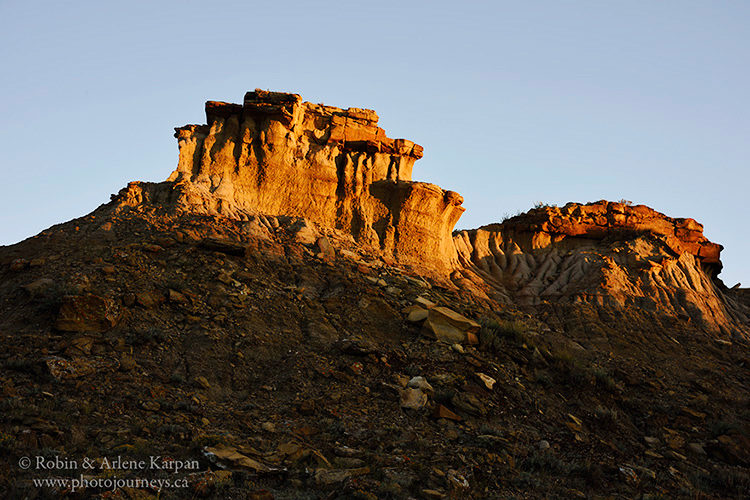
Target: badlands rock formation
[(606, 254), (264, 315), (276, 155)]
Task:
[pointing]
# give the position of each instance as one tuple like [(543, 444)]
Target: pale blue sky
[(514, 102)]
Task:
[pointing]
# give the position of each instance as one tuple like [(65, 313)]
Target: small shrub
[(542, 378), (507, 216), (723, 480), (201, 441), (172, 430), (608, 417), (147, 335), (721, 427), (526, 480), (541, 204), (493, 333), (544, 461), (604, 379), (49, 300), (490, 430), (592, 473), (176, 285), (572, 370), (444, 395)]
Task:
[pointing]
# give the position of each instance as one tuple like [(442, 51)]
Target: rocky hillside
[(289, 316)]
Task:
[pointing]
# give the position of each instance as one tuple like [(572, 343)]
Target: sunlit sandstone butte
[(275, 155)]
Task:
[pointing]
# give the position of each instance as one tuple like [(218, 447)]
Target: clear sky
[(514, 102)]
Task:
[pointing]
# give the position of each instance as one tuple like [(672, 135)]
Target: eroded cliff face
[(277, 155), (605, 254)]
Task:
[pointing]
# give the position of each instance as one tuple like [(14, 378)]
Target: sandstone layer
[(606, 254), (277, 155)]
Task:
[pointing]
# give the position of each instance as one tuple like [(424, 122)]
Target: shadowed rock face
[(605, 254), (277, 155)]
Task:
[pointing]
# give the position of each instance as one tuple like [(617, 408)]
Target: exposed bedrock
[(277, 155), (605, 254)]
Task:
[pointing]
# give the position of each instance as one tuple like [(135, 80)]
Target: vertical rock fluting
[(277, 155)]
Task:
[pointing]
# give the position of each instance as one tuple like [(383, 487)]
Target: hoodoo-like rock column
[(277, 155)]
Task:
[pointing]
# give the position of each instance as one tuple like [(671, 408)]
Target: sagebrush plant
[(542, 378), (542, 204), (604, 379), (177, 285), (721, 427), (50, 299), (507, 215), (721, 479), (605, 415), (200, 441), (542, 461), (147, 335), (574, 371), (571, 368), (493, 333)]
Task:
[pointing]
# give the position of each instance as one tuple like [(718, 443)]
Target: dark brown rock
[(87, 313), (222, 245)]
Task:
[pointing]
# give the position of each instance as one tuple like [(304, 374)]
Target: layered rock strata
[(277, 155), (606, 254)]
